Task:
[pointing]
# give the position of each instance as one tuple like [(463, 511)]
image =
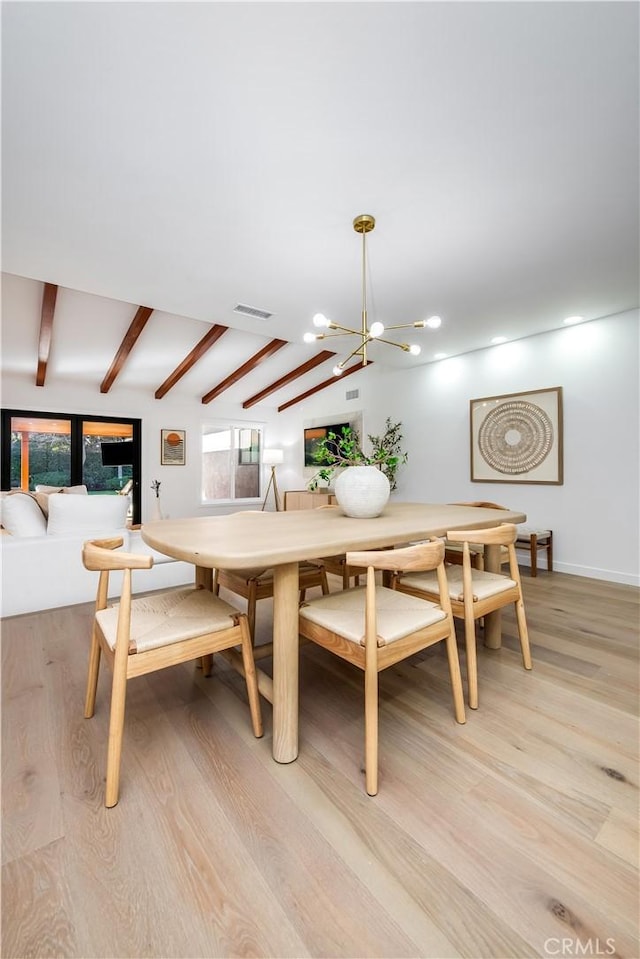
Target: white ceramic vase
[(156, 511), (362, 491)]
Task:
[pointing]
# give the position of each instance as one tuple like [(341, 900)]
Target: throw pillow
[(86, 514), (21, 514)]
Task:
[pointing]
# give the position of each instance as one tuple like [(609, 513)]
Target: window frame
[(232, 424), (77, 421)]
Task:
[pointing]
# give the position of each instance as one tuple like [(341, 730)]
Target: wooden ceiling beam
[(288, 378), (46, 330), (322, 386), (137, 325), (272, 347), (207, 341)]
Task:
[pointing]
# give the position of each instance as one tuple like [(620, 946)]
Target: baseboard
[(590, 572)]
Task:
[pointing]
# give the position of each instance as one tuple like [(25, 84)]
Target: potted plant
[(364, 480)]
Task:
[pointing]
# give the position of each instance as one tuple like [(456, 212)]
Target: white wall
[(595, 513)]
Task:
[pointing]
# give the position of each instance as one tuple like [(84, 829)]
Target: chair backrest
[(103, 555), (501, 535), (100, 554), (420, 557)]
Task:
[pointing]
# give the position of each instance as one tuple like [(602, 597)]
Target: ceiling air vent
[(352, 394), (252, 311)]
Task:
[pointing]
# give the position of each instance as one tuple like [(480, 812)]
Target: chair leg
[(324, 582), (116, 729), (371, 729), (550, 553), (456, 678), (523, 633), (472, 659), (251, 679), (251, 609), (92, 678), (207, 664), (534, 554)]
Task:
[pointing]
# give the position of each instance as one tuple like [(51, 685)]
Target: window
[(58, 449), (230, 462)]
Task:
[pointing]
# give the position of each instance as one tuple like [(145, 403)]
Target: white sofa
[(41, 555)]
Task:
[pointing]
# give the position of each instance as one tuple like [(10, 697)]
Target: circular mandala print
[(516, 437)]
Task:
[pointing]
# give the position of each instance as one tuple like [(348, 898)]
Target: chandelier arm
[(325, 336), (357, 350), (401, 346), (401, 326), (344, 329)]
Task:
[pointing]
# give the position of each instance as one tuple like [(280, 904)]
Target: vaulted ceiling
[(164, 162)]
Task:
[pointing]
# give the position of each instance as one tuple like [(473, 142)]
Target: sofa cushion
[(21, 514), (81, 490), (86, 514)]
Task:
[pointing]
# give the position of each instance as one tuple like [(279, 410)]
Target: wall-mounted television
[(117, 454), (312, 437)]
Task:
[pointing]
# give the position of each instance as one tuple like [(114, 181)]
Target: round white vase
[(362, 491)]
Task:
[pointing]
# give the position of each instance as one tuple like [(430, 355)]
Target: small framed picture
[(517, 438), (172, 448)]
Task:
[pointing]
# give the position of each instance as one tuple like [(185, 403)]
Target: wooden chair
[(255, 584), (453, 551), (474, 592), (374, 627), (138, 636), (338, 566)]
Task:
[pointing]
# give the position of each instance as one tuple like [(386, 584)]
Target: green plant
[(339, 451)]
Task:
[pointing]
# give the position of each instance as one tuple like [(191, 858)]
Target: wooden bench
[(533, 540)]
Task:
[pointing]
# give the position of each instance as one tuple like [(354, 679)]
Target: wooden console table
[(308, 499)]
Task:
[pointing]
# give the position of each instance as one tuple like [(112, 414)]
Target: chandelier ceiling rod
[(364, 224)]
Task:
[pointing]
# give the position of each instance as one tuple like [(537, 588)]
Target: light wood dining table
[(280, 540)]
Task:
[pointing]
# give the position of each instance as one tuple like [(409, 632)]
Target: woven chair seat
[(397, 615), (484, 584), (168, 618)]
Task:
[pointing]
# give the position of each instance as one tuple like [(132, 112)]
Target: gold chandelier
[(364, 224)]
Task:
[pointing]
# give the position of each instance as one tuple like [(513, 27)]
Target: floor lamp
[(272, 458)]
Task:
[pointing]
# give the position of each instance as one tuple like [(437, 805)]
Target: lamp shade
[(272, 457)]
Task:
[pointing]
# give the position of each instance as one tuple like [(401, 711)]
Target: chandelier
[(364, 224)]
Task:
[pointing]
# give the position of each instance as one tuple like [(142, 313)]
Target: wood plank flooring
[(513, 836)]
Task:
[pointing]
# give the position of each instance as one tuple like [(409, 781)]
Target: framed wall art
[(517, 438), (172, 447)]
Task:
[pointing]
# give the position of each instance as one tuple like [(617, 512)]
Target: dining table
[(280, 541)]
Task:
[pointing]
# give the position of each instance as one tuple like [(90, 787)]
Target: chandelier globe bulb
[(415, 350), (376, 330), (320, 320), (434, 322), (337, 370)]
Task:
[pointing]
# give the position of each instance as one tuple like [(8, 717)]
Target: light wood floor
[(513, 836)]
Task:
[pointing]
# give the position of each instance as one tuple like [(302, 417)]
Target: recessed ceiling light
[(499, 339), (440, 356), (574, 319)]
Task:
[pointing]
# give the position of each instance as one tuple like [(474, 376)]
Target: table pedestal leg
[(493, 621), (285, 663)]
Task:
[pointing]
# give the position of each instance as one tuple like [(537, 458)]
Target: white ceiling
[(190, 156)]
